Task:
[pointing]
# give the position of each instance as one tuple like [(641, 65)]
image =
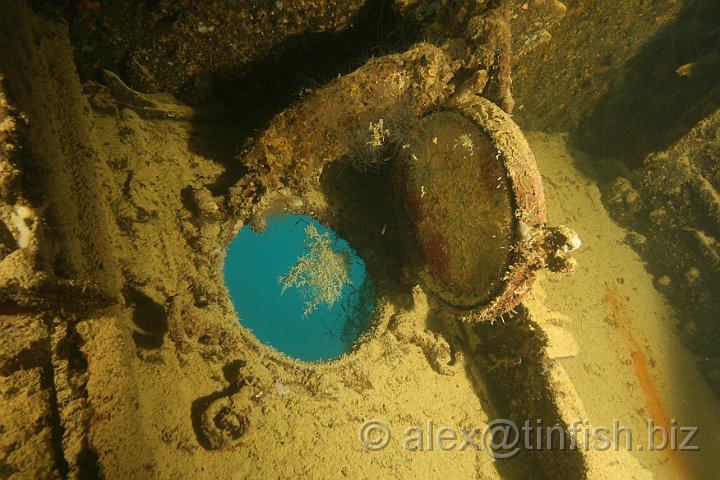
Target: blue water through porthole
[(256, 261)]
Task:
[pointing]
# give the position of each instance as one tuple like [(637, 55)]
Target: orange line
[(623, 321)]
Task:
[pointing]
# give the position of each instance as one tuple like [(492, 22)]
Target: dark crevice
[(149, 316), (88, 464), (57, 430), (38, 356), (35, 356), (68, 349), (268, 85), (256, 92), (655, 103)]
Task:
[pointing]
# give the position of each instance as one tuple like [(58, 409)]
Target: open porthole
[(299, 287)]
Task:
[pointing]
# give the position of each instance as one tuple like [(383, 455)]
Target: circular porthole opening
[(299, 287)]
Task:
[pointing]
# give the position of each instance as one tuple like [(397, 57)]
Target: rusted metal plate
[(456, 200), (467, 193)]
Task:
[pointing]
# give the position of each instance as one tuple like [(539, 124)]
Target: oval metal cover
[(455, 209)]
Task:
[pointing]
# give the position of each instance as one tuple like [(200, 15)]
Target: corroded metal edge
[(528, 201)]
